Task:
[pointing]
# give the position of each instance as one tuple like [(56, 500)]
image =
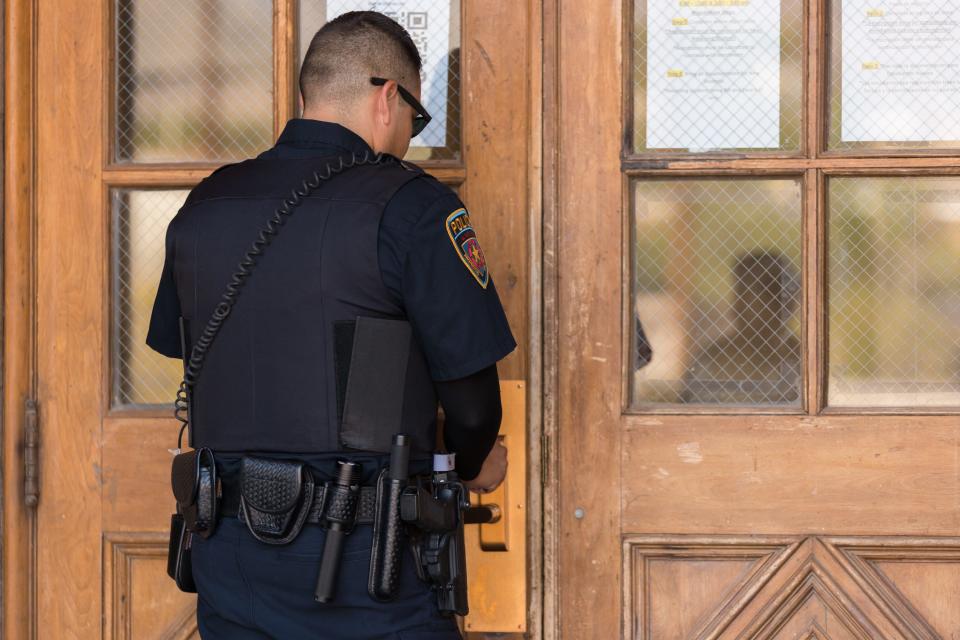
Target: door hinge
[(31, 446)]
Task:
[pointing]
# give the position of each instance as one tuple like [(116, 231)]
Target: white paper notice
[(901, 70), (428, 22), (713, 74)]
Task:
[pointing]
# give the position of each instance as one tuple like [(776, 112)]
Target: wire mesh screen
[(894, 71), (894, 291), (716, 292), (194, 80), (434, 26), (711, 76), (140, 217)]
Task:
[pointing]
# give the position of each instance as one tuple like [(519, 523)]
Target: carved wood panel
[(140, 601), (791, 587)]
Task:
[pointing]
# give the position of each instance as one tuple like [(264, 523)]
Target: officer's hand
[(492, 473)]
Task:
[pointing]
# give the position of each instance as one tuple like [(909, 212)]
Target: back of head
[(351, 49)]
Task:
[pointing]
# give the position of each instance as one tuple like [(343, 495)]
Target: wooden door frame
[(538, 455), (19, 357), (550, 321), (569, 436)]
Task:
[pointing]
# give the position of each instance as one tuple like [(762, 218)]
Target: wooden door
[(787, 463), (116, 108)]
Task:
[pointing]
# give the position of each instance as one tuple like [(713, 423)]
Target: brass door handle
[(482, 514)]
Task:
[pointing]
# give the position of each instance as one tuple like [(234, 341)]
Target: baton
[(341, 516)]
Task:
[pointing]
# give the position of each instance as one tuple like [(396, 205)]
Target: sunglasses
[(422, 119)]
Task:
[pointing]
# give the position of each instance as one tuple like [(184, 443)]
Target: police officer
[(378, 240)]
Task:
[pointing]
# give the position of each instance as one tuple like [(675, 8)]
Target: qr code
[(415, 23)]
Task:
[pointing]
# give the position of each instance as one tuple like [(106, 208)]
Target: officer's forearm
[(472, 409)]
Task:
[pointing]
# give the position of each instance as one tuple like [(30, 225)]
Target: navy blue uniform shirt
[(427, 256), (461, 324)]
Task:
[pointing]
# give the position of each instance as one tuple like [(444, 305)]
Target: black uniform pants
[(250, 590)]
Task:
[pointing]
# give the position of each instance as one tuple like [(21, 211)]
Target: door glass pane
[(717, 76), (894, 75), (140, 218), (894, 291), (194, 80), (434, 26), (715, 292)]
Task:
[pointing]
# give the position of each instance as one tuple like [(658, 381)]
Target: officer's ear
[(387, 96), (300, 101)]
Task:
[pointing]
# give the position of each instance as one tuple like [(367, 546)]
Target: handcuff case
[(275, 498), (196, 490)]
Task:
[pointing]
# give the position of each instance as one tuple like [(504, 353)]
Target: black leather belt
[(230, 503)]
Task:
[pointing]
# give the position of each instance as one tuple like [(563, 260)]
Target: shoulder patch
[(464, 240)]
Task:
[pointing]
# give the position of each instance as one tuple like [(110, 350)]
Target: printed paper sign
[(900, 71), (713, 74), (428, 22)]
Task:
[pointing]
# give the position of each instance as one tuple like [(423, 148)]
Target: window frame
[(813, 165), (186, 175)]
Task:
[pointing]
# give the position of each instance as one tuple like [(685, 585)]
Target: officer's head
[(335, 79)]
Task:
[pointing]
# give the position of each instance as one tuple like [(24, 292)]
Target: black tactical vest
[(276, 377)]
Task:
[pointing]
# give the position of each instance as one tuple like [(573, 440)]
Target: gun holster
[(196, 488), (275, 498), (438, 544)]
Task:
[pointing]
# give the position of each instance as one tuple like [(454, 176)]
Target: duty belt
[(230, 503)]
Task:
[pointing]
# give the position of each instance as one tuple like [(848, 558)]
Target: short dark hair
[(351, 48)]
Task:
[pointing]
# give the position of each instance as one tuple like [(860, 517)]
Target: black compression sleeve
[(472, 409)]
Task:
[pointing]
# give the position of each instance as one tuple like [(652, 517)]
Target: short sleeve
[(163, 336), (449, 295)]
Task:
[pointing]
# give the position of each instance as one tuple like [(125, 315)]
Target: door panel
[(820, 474), (786, 463), (136, 102)]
